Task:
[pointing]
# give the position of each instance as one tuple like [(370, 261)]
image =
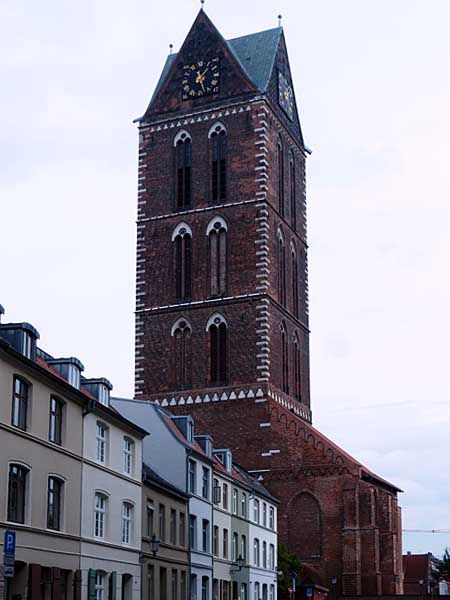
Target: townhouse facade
[(186, 461), (165, 555), (245, 536), (71, 477), (232, 532)]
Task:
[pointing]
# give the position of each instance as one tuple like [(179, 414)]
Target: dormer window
[(22, 337), (69, 368), (100, 388), (186, 425)]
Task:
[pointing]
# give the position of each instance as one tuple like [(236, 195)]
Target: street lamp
[(333, 585), (154, 545), (240, 563), (421, 587)]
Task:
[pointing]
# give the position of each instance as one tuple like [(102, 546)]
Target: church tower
[(222, 297)]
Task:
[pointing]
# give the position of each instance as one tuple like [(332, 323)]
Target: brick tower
[(222, 297)]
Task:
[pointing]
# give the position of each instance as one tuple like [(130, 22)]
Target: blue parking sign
[(9, 546)]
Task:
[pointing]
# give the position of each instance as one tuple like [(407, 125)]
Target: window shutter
[(91, 584)]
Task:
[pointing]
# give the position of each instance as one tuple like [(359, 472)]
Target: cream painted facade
[(49, 475)]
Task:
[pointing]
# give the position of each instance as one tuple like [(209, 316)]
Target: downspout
[(188, 454)]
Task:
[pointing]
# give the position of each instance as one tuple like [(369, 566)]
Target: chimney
[(69, 368), (21, 336), (100, 388)]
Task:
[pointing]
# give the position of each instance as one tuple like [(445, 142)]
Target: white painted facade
[(111, 506), (168, 449), (262, 549)]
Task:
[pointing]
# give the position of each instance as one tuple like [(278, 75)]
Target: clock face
[(201, 78), (285, 96)]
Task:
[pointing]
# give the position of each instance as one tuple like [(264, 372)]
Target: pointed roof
[(255, 54)]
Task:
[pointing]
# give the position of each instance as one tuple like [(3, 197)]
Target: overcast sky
[(372, 82)]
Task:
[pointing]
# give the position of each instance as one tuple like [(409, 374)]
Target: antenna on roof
[(202, 2), (280, 18), (170, 48)]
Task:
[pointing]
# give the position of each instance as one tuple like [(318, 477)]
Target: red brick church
[(222, 298)]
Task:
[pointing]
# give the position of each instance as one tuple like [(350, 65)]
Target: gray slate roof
[(255, 53)]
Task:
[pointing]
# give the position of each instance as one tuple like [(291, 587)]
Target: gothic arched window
[(292, 190), (182, 334), (183, 158), (297, 368), (182, 239), (217, 239), (294, 281), (281, 259), (218, 137), (284, 359), (280, 178), (217, 328)]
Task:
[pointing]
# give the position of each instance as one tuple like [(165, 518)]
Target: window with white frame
[(244, 505), (243, 591), (234, 547), (100, 449), (192, 474), (235, 501), (264, 555), (257, 591), (128, 446), (256, 511), (74, 376), (103, 395), (244, 547), (264, 515), (272, 592), (99, 586), (256, 552), (127, 512), (272, 557), (205, 483), (99, 516), (225, 496), (272, 518)]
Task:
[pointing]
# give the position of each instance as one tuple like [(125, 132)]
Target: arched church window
[(297, 368), (305, 526), (218, 137), (182, 239), (182, 334), (294, 281), (292, 190), (217, 328), (183, 157), (280, 160), (217, 239), (281, 260), (284, 359)]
